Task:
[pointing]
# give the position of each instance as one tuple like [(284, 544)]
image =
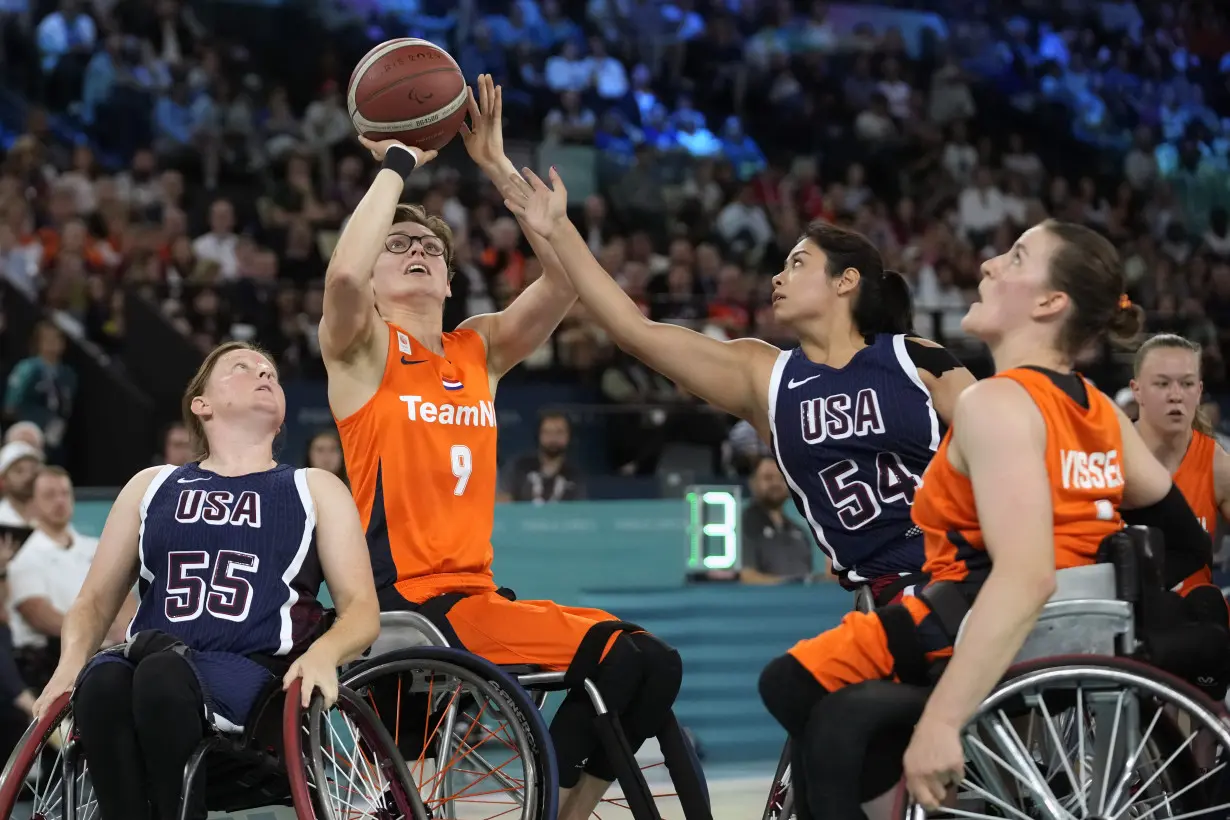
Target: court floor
[(736, 793)]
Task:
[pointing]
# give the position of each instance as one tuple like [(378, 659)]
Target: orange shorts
[(856, 650), (541, 633)]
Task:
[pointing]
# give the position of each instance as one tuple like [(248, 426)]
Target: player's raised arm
[(108, 583), (349, 308), (730, 375), (533, 316)]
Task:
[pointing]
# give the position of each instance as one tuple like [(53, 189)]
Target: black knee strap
[(904, 644), (151, 642), (589, 653)]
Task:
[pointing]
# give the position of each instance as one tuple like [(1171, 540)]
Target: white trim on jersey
[(775, 385), (143, 510), (911, 370), (286, 642)]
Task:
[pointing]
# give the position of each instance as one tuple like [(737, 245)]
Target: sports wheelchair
[(476, 740), (1079, 728), (325, 763)]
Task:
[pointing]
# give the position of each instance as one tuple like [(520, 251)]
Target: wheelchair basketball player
[(229, 552), (416, 415)]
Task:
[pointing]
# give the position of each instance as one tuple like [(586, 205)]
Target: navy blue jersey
[(229, 564), (853, 444)]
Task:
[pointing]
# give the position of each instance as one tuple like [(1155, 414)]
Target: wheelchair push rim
[(1089, 738), (30, 777), (444, 707)]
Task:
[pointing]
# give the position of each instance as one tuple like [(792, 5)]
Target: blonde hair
[(417, 214), (197, 440), (1173, 341)]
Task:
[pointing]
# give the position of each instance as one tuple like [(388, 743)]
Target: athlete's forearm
[(995, 630), (601, 295), (85, 625), (351, 634), (363, 238)]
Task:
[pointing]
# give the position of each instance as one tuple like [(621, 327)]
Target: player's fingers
[(472, 105), (290, 676), (466, 133), (516, 207), (520, 186), (532, 178), (428, 156), (497, 110), (557, 184)]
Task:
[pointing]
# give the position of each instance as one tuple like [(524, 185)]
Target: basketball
[(408, 90)]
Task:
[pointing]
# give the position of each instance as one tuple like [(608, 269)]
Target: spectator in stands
[(19, 464), (41, 389), (46, 576), (25, 431), (545, 475), (324, 451), (176, 445), (66, 40), (775, 549)]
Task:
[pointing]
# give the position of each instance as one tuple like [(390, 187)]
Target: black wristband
[(400, 159)]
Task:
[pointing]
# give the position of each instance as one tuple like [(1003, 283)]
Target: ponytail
[(1201, 422), (884, 305)]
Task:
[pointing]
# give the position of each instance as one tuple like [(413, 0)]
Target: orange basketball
[(408, 90)]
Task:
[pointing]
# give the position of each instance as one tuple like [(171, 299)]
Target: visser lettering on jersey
[(838, 416), (1091, 471), (219, 507), (461, 415)]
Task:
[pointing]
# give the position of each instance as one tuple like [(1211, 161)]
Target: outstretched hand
[(378, 149), (484, 135), (540, 208)]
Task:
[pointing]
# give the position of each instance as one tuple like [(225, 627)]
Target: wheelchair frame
[(269, 776), (403, 631)]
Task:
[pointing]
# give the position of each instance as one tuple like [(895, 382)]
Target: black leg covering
[(790, 693), (619, 677), (662, 670), (102, 709), (169, 711)]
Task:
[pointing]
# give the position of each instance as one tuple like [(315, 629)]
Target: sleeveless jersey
[(420, 455), (1083, 460), (852, 444), (1194, 478), (229, 564)]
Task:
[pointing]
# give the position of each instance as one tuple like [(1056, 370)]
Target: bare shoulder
[(325, 487), (993, 404), (139, 484)]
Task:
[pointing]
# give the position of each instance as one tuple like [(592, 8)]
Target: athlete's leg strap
[(585, 662), (904, 644)]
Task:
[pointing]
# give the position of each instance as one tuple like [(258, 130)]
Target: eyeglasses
[(402, 243)]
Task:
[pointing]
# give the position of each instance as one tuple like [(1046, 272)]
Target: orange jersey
[(420, 455), (1194, 478), (1083, 448)]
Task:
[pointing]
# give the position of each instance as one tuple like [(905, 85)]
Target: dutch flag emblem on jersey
[(451, 384)]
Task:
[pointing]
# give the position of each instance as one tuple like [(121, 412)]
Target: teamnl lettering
[(461, 415)]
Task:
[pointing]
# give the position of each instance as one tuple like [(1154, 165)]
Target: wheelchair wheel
[(45, 775), (1090, 738), (476, 744), (350, 766), (780, 805)]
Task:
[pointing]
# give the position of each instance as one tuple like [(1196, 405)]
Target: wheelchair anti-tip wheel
[(351, 768), (476, 744), (1090, 738)]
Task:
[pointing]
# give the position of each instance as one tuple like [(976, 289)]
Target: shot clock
[(714, 513)]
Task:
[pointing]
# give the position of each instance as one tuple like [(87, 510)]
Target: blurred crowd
[(155, 162)]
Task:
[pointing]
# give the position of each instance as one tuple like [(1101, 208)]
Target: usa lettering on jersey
[(461, 415), (1091, 471), (219, 507), (838, 416)]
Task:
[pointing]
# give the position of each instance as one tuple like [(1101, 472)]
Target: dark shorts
[(232, 684)]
